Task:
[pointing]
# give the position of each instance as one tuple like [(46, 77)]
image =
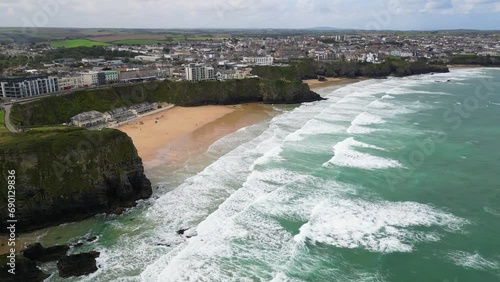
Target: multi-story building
[(199, 72), (234, 74), (260, 61), (20, 87), (131, 75), (70, 83), (111, 76), (88, 119), (94, 78)]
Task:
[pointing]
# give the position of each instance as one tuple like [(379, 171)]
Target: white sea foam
[(314, 127), (356, 129), (492, 211), (473, 260), (384, 227), (367, 119), (401, 91), (220, 236), (346, 155)]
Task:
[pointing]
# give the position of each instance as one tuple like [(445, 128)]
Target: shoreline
[(315, 84), (191, 132), (176, 135)]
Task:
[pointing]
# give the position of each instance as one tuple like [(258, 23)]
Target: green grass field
[(138, 42), (73, 43), (3, 129), (49, 128), (177, 37)]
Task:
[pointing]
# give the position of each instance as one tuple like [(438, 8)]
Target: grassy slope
[(57, 110), (3, 129), (73, 43), (57, 139), (308, 69)]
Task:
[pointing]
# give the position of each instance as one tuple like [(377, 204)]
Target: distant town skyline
[(295, 14)]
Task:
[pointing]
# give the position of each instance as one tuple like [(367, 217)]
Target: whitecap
[(472, 260), (345, 155), (384, 227)]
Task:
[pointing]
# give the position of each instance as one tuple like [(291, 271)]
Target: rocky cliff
[(57, 110), (309, 69), (67, 175)]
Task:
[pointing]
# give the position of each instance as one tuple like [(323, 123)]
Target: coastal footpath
[(69, 174)]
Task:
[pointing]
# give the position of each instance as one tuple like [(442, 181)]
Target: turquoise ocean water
[(387, 180)]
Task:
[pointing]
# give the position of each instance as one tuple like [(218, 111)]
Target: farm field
[(123, 37), (138, 42), (73, 43)]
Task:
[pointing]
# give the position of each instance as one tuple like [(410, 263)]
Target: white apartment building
[(69, 83), (199, 72), (92, 61), (19, 87), (94, 78), (234, 74), (148, 58), (260, 61)]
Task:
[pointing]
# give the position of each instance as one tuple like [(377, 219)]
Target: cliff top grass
[(60, 109), (3, 129), (54, 138)]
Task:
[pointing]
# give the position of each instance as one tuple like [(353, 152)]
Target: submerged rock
[(77, 265)]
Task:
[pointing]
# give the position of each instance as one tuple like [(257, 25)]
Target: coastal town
[(230, 140), (216, 59), (35, 70)]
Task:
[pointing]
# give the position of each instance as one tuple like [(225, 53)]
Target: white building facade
[(199, 72), (260, 61), (20, 87), (69, 83)]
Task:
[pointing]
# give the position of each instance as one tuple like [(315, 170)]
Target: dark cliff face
[(284, 92), (60, 109), (81, 177)]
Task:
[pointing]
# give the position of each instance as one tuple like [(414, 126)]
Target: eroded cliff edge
[(67, 175)]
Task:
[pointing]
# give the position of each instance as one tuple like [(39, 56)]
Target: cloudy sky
[(371, 14)]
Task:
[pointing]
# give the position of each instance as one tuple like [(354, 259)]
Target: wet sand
[(315, 84), (178, 134)]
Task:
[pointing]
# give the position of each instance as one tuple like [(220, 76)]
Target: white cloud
[(246, 13)]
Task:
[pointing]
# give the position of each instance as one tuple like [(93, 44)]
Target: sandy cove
[(175, 135), (315, 84)]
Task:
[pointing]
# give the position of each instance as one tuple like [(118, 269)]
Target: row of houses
[(95, 118), (201, 72), (28, 86)]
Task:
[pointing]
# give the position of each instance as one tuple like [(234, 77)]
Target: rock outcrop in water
[(77, 265), (37, 252), (68, 175), (26, 270)]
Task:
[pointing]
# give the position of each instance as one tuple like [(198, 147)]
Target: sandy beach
[(330, 81), (175, 135)]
